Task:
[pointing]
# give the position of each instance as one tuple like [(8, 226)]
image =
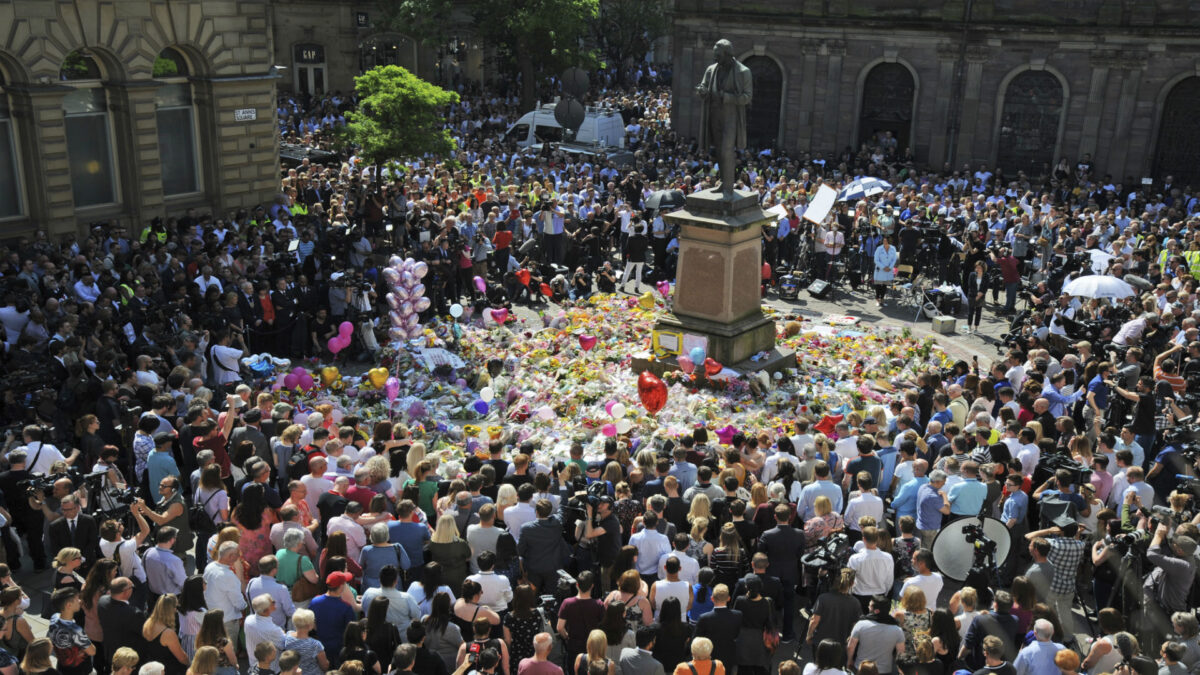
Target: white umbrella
[(1100, 260), (1099, 286)]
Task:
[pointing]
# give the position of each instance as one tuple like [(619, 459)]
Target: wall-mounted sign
[(309, 53), (245, 114), (362, 20)]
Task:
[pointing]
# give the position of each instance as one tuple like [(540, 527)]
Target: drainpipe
[(958, 89)]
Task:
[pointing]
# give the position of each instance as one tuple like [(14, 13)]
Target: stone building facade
[(1014, 83), (122, 110)]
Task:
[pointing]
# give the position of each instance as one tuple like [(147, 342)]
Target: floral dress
[(255, 544), (915, 624), (627, 510), (902, 551), (522, 631), (819, 527)]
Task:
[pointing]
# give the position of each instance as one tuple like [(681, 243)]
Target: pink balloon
[(335, 345), (398, 333), (391, 276), (306, 381), (500, 315), (298, 371), (609, 429), (686, 364), (291, 380), (346, 328), (392, 388), (397, 318), (608, 407), (480, 285)]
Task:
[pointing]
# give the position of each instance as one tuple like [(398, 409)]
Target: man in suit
[(120, 620), (722, 625), (783, 546), (772, 586), (252, 431), (77, 530), (640, 660)]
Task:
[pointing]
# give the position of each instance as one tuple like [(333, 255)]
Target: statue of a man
[(726, 89)]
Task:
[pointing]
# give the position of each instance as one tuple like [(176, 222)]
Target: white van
[(601, 127)]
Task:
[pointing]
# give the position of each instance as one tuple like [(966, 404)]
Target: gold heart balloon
[(329, 375), (378, 377)]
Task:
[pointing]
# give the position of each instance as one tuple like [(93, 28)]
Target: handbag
[(304, 589)]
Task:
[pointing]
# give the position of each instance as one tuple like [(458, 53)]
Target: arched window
[(762, 117), (389, 49), (1178, 135), (89, 134), (885, 116), (1029, 123), (10, 178), (176, 124)]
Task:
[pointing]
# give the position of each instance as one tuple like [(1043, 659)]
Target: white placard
[(821, 205), (245, 114), (433, 357), (777, 212)]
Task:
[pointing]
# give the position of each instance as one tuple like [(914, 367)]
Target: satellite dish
[(955, 556), (575, 82), (569, 113)]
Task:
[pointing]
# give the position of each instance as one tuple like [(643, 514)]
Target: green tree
[(625, 29), (399, 116), (426, 21), (537, 34)]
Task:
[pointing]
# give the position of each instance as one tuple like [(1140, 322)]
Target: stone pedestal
[(718, 285)]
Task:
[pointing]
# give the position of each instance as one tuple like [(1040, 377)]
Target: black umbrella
[(666, 199)]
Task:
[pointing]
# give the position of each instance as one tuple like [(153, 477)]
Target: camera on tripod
[(975, 536), (45, 484)]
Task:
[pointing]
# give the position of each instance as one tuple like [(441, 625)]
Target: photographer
[(1167, 586), (600, 532), (27, 519)]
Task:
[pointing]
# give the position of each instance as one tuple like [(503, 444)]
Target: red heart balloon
[(523, 275), (500, 315), (711, 367), (547, 291), (587, 342), (652, 391)]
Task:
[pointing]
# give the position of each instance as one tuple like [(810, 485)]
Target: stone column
[(836, 50), (139, 160), (41, 141), (807, 91), (977, 56), (947, 55), (1127, 157), (1094, 110)]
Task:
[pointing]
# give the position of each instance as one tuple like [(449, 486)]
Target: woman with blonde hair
[(66, 572), (416, 455), (124, 661), (699, 548), (758, 496), (37, 658), (728, 561), (313, 660), (205, 662), (506, 496), (612, 475), (161, 641), (701, 507), (597, 653), (426, 481), (450, 551), (913, 616), (824, 523)]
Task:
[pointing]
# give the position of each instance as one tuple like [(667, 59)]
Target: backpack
[(297, 464), (198, 517)]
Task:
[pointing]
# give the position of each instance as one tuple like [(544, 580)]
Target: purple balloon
[(291, 380), (408, 279), (407, 308), (411, 319), (391, 276), (398, 333), (416, 291), (393, 301), (395, 261), (397, 318), (409, 262), (401, 292), (481, 407), (421, 304), (415, 331), (392, 388), (420, 269), (306, 382)]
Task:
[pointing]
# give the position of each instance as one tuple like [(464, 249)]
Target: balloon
[(395, 261), (652, 391), (411, 320), (407, 279), (397, 333), (281, 382), (487, 394), (329, 375), (624, 425), (618, 410), (608, 408), (523, 275), (409, 262), (402, 293), (345, 328), (698, 355), (609, 429), (586, 342), (725, 434), (391, 276), (421, 304), (647, 300), (545, 413), (664, 287), (547, 291), (397, 318), (460, 382), (291, 380), (711, 367), (377, 377), (686, 364), (407, 308), (456, 310), (480, 284), (335, 345), (306, 381), (415, 332), (298, 371), (420, 269), (500, 315), (393, 300), (481, 407), (392, 388), (416, 291)]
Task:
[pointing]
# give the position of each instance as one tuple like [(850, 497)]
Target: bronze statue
[(726, 89)]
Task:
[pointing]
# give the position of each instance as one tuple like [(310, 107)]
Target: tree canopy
[(399, 116)]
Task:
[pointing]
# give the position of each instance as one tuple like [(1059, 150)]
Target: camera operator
[(43, 454), (601, 531), (27, 519), (112, 481), (1167, 586), (114, 544)]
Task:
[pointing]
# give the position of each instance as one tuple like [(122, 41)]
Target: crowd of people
[(197, 525)]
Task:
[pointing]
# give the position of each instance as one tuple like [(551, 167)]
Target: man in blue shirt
[(867, 461), (966, 497), (932, 504), (941, 409), (1059, 487), (822, 486), (683, 470), (1013, 514), (161, 463), (411, 536), (1052, 392)]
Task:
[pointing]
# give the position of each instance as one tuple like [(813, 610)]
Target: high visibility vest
[(1193, 259), (299, 209)]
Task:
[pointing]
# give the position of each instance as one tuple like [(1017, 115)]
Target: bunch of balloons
[(342, 340), (407, 298), (298, 378)]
